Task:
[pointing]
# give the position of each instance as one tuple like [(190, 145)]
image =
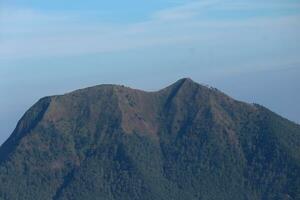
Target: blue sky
[(247, 48)]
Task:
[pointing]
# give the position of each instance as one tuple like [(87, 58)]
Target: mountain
[(186, 141)]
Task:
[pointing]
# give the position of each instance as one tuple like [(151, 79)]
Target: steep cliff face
[(186, 141)]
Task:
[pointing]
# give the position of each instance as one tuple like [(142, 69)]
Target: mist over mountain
[(186, 141)]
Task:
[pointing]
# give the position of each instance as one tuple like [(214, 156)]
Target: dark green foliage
[(183, 142)]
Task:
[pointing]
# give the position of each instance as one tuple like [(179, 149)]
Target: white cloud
[(27, 33), (186, 11), (258, 5), (27, 15)]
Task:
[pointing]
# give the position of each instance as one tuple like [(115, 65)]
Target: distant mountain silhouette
[(184, 142)]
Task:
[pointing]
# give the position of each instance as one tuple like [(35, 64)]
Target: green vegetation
[(183, 142)]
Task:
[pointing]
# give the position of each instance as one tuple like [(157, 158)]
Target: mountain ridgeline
[(184, 142)]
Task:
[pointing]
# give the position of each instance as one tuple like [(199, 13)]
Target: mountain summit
[(186, 141)]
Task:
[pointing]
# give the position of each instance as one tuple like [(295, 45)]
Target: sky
[(249, 49)]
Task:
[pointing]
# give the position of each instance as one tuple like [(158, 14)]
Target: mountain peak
[(114, 142), (187, 81)]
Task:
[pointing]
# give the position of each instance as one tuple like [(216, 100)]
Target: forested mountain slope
[(186, 141)]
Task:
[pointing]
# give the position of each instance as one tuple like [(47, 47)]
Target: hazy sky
[(250, 49)]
